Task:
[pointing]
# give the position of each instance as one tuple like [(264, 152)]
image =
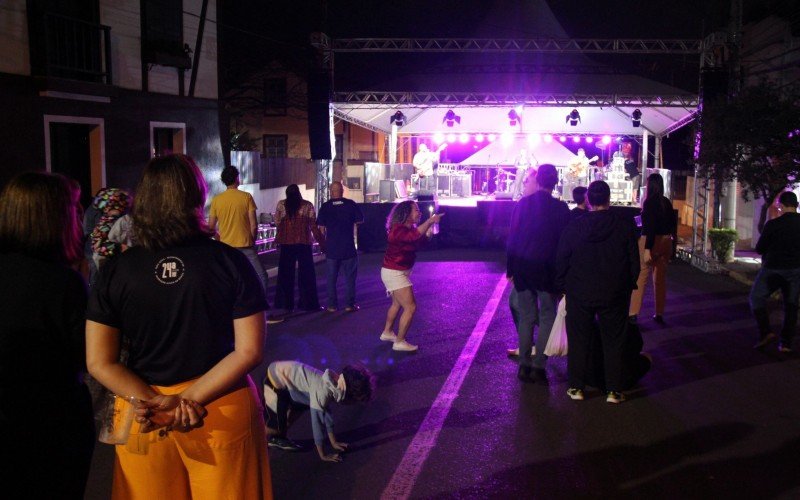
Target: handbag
[(557, 342)]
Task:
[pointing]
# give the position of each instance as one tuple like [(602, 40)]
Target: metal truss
[(575, 45), (447, 99)]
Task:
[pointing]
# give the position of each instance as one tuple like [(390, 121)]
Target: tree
[(753, 138)]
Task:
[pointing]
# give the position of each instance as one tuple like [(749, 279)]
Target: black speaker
[(386, 191), (319, 99)]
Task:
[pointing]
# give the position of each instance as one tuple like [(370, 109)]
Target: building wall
[(122, 16)]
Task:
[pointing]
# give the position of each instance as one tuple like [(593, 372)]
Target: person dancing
[(405, 237), (655, 247)]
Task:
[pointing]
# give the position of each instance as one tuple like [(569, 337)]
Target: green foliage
[(241, 141), (751, 138), (722, 241)]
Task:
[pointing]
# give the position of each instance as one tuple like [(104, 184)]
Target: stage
[(474, 221)]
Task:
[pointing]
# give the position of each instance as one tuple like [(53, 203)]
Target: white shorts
[(394, 279)]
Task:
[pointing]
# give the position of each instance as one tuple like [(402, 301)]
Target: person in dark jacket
[(597, 266), (780, 245), (536, 226)]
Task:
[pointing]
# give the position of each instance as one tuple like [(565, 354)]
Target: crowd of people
[(174, 318)]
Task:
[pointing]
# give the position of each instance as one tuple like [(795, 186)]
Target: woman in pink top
[(405, 236)]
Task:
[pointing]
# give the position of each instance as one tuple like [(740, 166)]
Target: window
[(275, 97), (162, 34), (275, 146)]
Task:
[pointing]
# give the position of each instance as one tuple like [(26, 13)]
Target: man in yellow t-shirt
[(233, 218)]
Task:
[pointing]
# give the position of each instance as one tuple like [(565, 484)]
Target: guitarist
[(425, 162)]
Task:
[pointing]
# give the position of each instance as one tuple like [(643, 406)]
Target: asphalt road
[(713, 419)]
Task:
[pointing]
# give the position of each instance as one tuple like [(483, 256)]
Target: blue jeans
[(350, 269), (528, 308), (766, 282)]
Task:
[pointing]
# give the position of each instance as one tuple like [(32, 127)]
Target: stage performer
[(425, 164), (405, 236), (577, 172)]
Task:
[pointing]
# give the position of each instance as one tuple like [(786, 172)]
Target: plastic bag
[(557, 343)]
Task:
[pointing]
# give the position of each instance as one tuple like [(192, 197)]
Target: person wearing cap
[(779, 245)]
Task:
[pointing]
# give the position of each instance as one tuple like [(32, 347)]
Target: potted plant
[(722, 243)]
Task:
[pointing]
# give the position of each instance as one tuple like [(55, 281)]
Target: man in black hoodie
[(597, 266), (536, 226)]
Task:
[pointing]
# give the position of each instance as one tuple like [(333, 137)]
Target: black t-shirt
[(338, 216), (177, 306)]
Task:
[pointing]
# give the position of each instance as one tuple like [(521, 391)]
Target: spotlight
[(492, 137), (573, 117), (513, 117), (451, 118), (479, 138), (438, 137), (398, 119), (463, 138), (576, 139), (636, 118)]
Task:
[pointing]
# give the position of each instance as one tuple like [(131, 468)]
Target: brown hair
[(169, 203), (38, 218)]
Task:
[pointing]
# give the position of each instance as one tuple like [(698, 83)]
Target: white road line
[(405, 476)]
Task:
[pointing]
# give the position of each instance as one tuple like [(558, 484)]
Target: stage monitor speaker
[(319, 123), (386, 191)]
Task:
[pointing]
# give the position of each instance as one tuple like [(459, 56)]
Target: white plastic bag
[(557, 343)]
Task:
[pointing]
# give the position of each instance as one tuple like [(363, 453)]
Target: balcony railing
[(77, 49)]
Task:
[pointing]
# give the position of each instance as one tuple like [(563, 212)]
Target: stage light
[(450, 118), (548, 138), (451, 138), (491, 137), (479, 138), (398, 119), (463, 138), (506, 139), (590, 139), (573, 117), (636, 118), (514, 118), (606, 139), (438, 137), (563, 138), (576, 139)]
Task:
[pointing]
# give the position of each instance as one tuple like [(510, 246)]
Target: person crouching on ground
[(405, 236), (291, 386)]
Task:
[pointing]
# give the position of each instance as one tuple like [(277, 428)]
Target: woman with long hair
[(655, 247), (191, 310), (297, 222), (405, 235), (44, 405)]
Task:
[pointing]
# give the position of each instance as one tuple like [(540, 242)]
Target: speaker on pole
[(319, 123)]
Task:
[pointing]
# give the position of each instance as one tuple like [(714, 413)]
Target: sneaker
[(273, 319), (513, 353), (388, 337), (575, 394), (766, 340), (784, 347), (283, 444), (614, 397), (352, 308), (402, 345)]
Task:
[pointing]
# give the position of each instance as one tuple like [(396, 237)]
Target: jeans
[(766, 282), (531, 307), (252, 256), (350, 269)]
